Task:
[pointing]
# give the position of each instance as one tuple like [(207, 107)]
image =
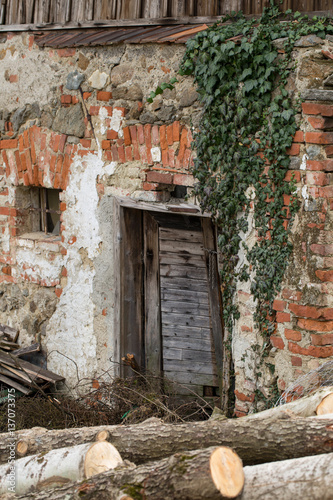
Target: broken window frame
[(43, 210)]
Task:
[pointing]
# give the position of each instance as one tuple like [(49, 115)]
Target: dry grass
[(120, 401)]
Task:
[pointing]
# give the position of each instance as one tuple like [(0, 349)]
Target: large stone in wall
[(316, 70), (329, 81), (74, 80), (309, 41), (70, 121), (22, 115), (131, 93), (122, 73), (98, 80), (188, 97)]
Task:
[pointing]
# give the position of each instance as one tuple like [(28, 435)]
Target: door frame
[(146, 310)]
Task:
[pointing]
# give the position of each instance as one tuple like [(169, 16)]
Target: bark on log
[(186, 476), (60, 466), (308, 478), (254, 440)]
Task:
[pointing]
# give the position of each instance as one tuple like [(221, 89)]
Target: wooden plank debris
[(18, 373), (6, 359), (22, 351)]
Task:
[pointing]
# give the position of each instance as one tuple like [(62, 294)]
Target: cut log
[(226, 470), (60, 466), (187, 476), (254, 440), (302, 407), (308, 478)]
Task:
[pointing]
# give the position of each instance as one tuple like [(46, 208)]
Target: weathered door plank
[(187, 247), (215, 301), (184, 295), (171, 332), (189, 272), (131, 274), (188, 343), (153, 345), (185, 308), (181, 282), (190, 320)]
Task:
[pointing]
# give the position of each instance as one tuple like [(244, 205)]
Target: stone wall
[(108, 141), (90, 146)]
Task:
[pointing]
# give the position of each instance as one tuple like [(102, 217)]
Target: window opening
[(179, 192), (46, 203)]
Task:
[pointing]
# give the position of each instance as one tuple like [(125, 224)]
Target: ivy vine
[(248, 123)]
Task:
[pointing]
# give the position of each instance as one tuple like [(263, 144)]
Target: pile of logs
[(285, 452)]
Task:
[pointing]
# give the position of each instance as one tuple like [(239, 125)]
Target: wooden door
[(170, 300), (188, 347)]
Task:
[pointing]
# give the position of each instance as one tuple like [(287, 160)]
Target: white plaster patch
[(71, 338), (82, 199), (103, 114), (71, 341), (4, 240), (156, 154), (240, 347), (110, 168), (143, 196), (303, 164), (38, 266), (47, 179), (11, 194), (305, 195), (12, 164), (116, 122)]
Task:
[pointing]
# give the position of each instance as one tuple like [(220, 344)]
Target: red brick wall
[(304, 308), (40, 157)]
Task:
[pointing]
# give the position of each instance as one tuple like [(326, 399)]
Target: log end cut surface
[(22, 448), (325, 407), (226, 469), (100, 457)]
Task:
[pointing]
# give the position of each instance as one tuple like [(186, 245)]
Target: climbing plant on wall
[(247, 125)]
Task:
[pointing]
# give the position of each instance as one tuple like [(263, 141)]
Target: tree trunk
[(186, 476), (302, 407), (60, 466), (254, 440), (308, 478)]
